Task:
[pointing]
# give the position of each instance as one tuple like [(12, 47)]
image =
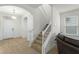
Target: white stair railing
[(49, 40), (46, 32)]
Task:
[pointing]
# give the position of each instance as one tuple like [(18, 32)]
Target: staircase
[(46, 32), (37, 44), (46, 36)]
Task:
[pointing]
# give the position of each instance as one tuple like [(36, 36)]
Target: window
[(71, 25)]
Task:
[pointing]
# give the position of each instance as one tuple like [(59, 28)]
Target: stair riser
[(37, 45)]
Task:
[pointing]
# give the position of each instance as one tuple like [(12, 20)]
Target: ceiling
[(31, 7), (65, 7), (25, 6), (34, 5), (19, 8)]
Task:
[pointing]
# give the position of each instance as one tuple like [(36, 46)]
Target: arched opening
[(15, 22)]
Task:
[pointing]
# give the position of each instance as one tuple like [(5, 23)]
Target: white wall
[(56, 20), (27, 27), (21, 28), (67, 14), (6, 27), (56, 10), (1, 30), (50, 42), (38, 22), (41, 18)]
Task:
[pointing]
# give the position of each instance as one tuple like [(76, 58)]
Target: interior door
[(8, 28)]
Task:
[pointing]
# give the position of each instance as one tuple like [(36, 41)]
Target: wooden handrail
[(46, 29)]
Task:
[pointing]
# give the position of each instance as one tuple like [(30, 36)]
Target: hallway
[(16, 46)]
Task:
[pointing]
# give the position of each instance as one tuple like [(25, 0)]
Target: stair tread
[(40, 35), (38, 42), (40, 38), (37, 47)]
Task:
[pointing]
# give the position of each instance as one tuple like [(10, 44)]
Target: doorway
[(8, 28)]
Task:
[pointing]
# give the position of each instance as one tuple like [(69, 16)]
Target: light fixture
[(13, 16)]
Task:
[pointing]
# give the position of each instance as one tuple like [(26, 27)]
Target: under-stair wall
[(49, 43)]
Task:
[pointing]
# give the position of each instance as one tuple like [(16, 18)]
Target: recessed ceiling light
[(13, 17)]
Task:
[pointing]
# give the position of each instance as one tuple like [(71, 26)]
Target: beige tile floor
[(16, 46)]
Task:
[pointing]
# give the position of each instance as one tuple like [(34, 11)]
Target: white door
[(8, 28)]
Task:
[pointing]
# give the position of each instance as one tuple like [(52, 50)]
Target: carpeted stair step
[(37, 47), (37, 44), (39, 38), (38, 41), (40, 34)]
